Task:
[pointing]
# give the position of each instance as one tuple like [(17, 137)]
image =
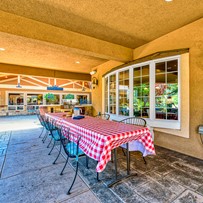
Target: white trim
[(152, 91), (8, 80), (33, 83), (69, 83), (117, 93), (131, 92), (33, 78)]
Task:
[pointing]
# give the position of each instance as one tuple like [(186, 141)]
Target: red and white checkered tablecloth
[(99, 137)]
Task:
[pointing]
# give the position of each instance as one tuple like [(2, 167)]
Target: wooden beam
[(30, 82), (31, 71), (45, 83)]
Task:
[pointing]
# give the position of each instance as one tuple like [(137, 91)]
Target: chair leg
[(144, 160), (64, 166), (52, 147), (58, 154), (87, 162), (124, 153), (76, 172), (128, 159), (41, 132), (49, 143), (45, 136)]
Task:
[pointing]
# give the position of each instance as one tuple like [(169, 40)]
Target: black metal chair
[(44, 123), (41, 122), (104, 116), (71, 147), (134, 121), (53, 134)]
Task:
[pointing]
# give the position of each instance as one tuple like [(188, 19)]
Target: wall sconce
[(93, 72), (94, 82)]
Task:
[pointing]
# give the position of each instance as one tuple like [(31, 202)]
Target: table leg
[(128, 159), (128, 167), (115, 160)]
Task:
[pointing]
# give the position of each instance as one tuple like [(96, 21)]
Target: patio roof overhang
[(32, 71)]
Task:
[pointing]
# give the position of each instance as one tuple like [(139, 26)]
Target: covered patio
[(119, 82)]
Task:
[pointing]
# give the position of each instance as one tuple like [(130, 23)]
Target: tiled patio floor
[(28, 175)]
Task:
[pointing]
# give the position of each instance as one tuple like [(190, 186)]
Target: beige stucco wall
[(97, 92), (190, 37)]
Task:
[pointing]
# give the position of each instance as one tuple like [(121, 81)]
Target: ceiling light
[(2, 49), (77, 62), (93, 72), (168, 0)]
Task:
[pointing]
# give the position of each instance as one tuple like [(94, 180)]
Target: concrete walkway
[(26, 171)]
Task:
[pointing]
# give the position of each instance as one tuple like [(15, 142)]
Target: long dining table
[(99, 137)]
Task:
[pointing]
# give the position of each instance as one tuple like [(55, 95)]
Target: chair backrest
[(134, 121), (104, 116), (45, 122), (51, 125), (70, 142), (40, 119)]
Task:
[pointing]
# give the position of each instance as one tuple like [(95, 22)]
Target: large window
[(149, 90)]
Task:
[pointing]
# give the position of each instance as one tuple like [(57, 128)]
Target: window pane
[(145, 112), (137, 72), (145, 80), (172, 114), (141, 92), (16, 99), (172, 77), (137, 112), (137, 81), (166, 88), (160, 67), (145, 101), (145, 90), (52, 98), (124, 93), (172, 66), (145, 70), (160, 102), (160, 89), (160, 113), (161, 78), (34, 99), (137, 92)]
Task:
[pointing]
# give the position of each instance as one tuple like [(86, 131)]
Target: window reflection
[(124, 93), (166, 90), (141, 91)]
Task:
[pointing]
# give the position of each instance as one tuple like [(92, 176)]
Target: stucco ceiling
[(35, 53), (127, 23)]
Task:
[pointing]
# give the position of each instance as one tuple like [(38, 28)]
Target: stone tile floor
[(27, 173)]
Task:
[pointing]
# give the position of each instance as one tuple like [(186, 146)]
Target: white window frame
[(151, 121)]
